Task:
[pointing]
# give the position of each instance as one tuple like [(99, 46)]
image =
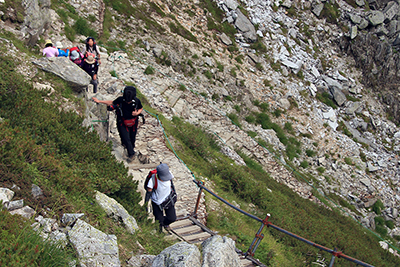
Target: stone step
[(185, 231), (180, 224)]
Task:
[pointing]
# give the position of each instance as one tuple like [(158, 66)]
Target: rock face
[(6, 195), (37, 19), (94, 247), (179, 255), (219, 251), (117, 211), (141, 260), (245, 26), (66, 70)]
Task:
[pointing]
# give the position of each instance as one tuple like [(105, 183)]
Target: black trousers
[(170, 214), (128, 137)]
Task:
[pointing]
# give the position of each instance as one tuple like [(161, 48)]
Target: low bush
[(149, 70)]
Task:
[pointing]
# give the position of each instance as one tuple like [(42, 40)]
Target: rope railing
[(259, 236)]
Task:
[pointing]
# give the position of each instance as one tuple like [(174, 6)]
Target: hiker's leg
[(133, 132), (170, 215), (125, 139), (95, 83), (158, 213)]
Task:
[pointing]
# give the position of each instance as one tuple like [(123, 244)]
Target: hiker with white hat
[(161, 190), (91, 67), (61, 51), (50, 50)]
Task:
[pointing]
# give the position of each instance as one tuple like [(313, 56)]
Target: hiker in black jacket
[(128, 107)]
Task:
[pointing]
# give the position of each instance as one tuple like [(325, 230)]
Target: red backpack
[(155, 180)]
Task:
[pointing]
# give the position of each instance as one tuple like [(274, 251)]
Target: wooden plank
[(205, 229), (202, 236), (180, 224), (187, 230)]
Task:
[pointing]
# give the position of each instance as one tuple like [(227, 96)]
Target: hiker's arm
[(107, 102), (137, 112)]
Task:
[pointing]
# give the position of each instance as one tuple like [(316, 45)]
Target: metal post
[(333, 258), (257, 244), (257, 237), (197, 202)]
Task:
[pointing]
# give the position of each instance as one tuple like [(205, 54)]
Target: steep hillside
[(258, 97)]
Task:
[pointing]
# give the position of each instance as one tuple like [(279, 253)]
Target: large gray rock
[(178, 255), (13, 205), (317, 9), (245, 26), (26, 212), (354, 107), (66, 70), (6, 195), (338, 95), (141, 261), (353, 32), (36, 191), (94, 247), (225, 39), (68, 219), (219, 251), (376, 17), (231, 4), (117, 211), (37, 19), (391, 10), (356, 19)]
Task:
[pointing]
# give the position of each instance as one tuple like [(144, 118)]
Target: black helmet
[(129, 93)]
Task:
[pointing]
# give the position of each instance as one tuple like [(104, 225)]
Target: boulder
[(245, 26), (94, 247), (353, 32), (284, 103), (363, 24), (117, 211), (360, 3), (331, 82), (219, 251), (354, 107), (397, 40), (68, 219), (37, 19), (6, 195), (231, 4), (66, 70), (317, 9), (178, 255), (371, 167), (26, 212), (225, 39), (391, 10), (356, 19), (141, 261), (287, 3), (338, 95), (13, 205), (36, 191), (376, 17)]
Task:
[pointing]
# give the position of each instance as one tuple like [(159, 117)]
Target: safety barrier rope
[(267, 223), (272, 153)]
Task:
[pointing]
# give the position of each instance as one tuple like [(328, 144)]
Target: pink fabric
[(50, 52)]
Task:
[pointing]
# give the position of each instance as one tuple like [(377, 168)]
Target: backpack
[(172, 198), (78, 60)]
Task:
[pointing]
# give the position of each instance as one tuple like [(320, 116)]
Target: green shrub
[(215, 96), (227, 98), (149, 70), (220, 67), (250, 119), (81, 26), (330, 12), (378, 205), (264, 106), (259, 46), (277, 113), (326, 98), (288, 127), (239, 59), (381, 230), (252, 134), (233, 72), (310, 153), (208, 74), (390, 224), (237, 108), (348, 161), (182, 87), (114, 73), (304, 164), (234, 118), (321, 169)]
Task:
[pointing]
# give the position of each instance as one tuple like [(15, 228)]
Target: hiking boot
[(131, 158), (143, 158)]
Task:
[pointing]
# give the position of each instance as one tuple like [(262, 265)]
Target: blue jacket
[(62, 53)]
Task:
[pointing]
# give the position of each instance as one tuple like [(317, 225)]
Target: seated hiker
[(76, 56), (61, 51), (128, 107), (91, 48), (50, 50), (161, 190), (90, 66)]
